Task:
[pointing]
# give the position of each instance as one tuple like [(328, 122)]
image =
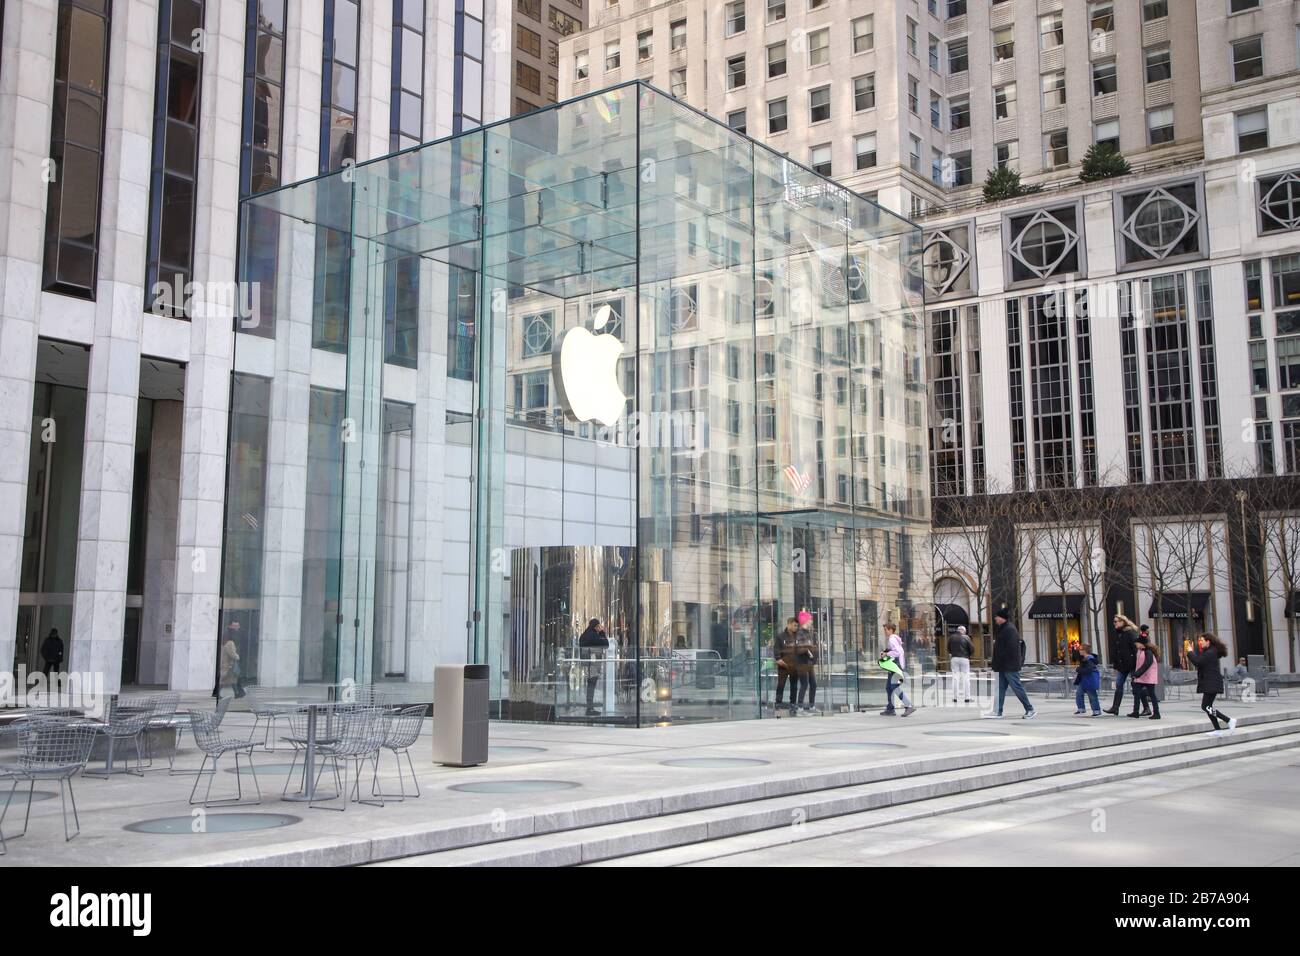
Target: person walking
[(895, 667), (52, 652), (1008, 659), (1145, 677), (1087, 680), (960, 650), (230, 672), (783, 649), (1123, 658), (592, 646), (806, 664), (1209, 678)]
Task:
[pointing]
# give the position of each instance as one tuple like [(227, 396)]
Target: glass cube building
[(610, 360)]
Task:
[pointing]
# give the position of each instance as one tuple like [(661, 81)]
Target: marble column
[(161, 512)]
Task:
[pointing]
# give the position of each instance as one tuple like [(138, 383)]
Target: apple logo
[(584, 366)]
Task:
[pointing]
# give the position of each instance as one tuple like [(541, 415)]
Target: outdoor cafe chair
[(126, 722), (400, 733), (48, 749), (358, 736), (206, 729)]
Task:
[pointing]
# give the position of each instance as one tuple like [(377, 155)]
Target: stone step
[(837, 795)]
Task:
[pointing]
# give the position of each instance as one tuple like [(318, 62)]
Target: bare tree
[(1271, 506), (964, 542)]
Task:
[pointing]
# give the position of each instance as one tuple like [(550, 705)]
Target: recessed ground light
[(214, 823)]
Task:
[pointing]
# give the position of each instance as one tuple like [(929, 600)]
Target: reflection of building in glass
[(758, 326)]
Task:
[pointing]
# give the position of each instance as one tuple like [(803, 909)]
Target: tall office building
[(539, 26), (129, 132), (1136, 333)]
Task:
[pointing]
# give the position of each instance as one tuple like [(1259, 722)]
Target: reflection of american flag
[(798, 480)]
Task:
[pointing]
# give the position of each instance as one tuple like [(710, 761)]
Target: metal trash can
[(460, 715)]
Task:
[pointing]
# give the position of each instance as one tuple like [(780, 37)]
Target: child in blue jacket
[(1087, 680)]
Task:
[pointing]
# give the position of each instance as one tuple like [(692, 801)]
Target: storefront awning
[(1292, 608), (951, 615), (1174, 605), (1056, 607)]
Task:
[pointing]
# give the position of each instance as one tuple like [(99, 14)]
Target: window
[(1006, 154), (776, 60), (467, 68), (76, 149), (1160, 126), (819, 47), (1106, 133), (1051, 31), (936, 110), (914, 158), (1043, 243), (612, 56), (1104, 80), (958, 60), (777, 120), (956, 8), (1053, 90), (561, 22), (677, 35), (1158, 65), (1252, 130), (864, 92), (820, 159), (735, 18), (936, 167), (864, 151), (1279, 202), (736, 72), (1247, 59), (1004, 101), (775, 11), (1288, 363), (945, 258), (1056, 149), (530, 8), (1241, 6), (1101, 18), (934, 53), (1004, 44), (961, 169), (736, 120), (1259, 367), (1160, 223), (911, 38), (645, 45), (819, 104), (528, 77), (1154, 10), (677, 82), (864, 34), (959, 113), (1286, 281), (913, 94), (1253, 275), (406, 104), (817, 4), (175, 166), (339, 105), (581, 69)]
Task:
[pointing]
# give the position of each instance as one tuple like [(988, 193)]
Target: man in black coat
[(1123, 658), (1008, 658), (592, 645)]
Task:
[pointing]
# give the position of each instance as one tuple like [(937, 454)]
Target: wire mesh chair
[(48, 749), (163, 716), (327, 727), (400, 733), (266, 713), (127, 719), (359, 735), (206, 729)]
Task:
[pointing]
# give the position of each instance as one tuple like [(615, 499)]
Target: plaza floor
[(549, 779)]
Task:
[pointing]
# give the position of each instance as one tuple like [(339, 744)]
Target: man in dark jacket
[(1123, 658), (1008, 658), (52, 652), (592, 645)]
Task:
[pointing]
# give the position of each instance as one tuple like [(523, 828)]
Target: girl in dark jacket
[(1087, 680), (1209, 678)]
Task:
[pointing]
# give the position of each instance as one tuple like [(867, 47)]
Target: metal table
[(307, 792)]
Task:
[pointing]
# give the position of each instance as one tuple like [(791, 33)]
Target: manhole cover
[(214, 823), (965, 733), (857, 745), (514, 786), (715, 762), (269, 768), (517, 750), (20, 798)]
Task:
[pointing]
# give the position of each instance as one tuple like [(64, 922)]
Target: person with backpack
[(960, 650), (1123, 658), (1209, 678), (1087, 680), (1008, 659), (1146, 674)]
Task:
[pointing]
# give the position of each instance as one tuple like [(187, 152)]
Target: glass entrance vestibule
[(607, 362)]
